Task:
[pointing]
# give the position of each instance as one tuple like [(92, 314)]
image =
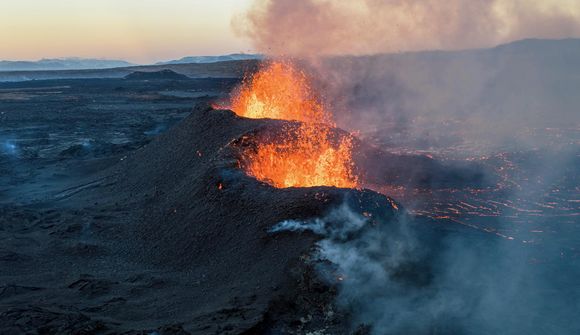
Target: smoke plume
[(303, 28), (493, 93)]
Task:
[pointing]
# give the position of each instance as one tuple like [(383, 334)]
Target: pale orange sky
[(145, 31), (140, 31)]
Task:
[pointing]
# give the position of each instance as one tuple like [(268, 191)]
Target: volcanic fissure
[(307, 155)]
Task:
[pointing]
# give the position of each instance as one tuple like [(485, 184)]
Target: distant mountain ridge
[(556, 60), (211, 59), (62, 64)]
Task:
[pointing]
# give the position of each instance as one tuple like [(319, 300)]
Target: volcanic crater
[(200, 214)]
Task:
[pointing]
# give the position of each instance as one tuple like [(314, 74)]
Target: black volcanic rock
[(156, 75), (196, 213)]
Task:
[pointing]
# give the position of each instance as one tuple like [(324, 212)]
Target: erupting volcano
[(306, 156)]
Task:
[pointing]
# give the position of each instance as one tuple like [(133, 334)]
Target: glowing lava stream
[(309, 155)]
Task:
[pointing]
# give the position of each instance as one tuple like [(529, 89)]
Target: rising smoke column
[(306, 28), (381, 270)]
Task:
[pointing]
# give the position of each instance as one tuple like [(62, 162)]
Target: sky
[(147, 31), (140, 31)]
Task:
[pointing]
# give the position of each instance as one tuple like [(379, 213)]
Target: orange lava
[(279, 91), (305, 157), (311, 154)]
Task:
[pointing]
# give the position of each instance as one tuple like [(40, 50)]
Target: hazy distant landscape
[(61, 64), (538, 77)]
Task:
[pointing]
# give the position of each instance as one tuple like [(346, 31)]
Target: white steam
[(377, 264), (402, 277)]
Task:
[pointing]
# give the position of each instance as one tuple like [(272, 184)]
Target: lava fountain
[(279, 91), (309, 154)]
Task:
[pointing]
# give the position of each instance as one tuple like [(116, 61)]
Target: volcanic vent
[(304, 155), (203, 216)]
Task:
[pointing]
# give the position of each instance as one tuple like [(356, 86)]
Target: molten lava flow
[(311, 154)]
